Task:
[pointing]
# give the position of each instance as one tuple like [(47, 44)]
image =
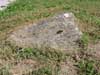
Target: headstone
[(59, 32)]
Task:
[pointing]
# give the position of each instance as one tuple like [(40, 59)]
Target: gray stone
[(59, 32)]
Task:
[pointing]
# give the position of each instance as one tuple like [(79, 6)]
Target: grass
[(46, 55), (4, 71), (85, 39), (87, 67), (24, 12), (49, 59)]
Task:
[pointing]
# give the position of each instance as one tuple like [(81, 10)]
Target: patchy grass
[(46, 54), (4, 71), (87, 67), (24, 12), (85, 39)]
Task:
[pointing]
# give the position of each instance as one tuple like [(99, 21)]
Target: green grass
[(4, 71), (24, 12), (46, 55), (87, 67), (85, 39)]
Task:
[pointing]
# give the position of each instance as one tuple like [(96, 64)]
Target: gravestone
[(59, 32)]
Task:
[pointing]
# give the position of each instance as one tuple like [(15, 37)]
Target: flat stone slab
[(58, 32), (5, 3)]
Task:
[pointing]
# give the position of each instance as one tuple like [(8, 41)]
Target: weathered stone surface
[(58, 32), (5, 3)]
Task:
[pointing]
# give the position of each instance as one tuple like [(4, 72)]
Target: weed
[(86, 67), (85, 39), (4, 71), (41, 54)]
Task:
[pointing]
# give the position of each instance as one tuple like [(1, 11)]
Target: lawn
[(24, 12)]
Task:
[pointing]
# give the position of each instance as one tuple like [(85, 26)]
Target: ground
[(25, 12)]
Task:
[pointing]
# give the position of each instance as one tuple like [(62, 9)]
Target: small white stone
[(66, 15), (1, 8), (80, 33), (76, 29)]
